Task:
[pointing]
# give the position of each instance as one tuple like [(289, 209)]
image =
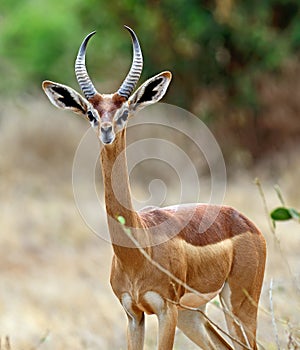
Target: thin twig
[(279, 195), (265, 311), (210, 321), (293, 343), (236, 321), (273, 230), (272, 313), (266, 209)]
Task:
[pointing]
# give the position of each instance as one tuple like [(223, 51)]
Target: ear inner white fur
[(64, 97), (151, 91)]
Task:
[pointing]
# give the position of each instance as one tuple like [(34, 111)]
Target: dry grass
[(55, 291)]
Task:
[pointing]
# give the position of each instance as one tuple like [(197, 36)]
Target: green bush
[(223, 44)]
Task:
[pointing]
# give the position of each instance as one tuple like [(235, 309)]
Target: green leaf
[(281, 214), (121, 220)]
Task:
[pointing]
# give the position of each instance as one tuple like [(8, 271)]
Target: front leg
[(167, 315), (136, 324), (135, 332), (167, 321)]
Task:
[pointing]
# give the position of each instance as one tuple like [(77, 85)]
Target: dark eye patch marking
[(149, 92), (66, 98), (92, 118), (122, 119)]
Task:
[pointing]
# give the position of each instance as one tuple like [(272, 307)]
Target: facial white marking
[(121, 119), (107, 134)]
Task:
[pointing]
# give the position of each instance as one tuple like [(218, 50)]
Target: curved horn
[(136, 67), (82, 76)]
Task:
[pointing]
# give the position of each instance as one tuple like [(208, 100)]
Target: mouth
[(107, 140)]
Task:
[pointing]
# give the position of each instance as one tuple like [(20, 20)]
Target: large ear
[(151, 91), (64, 97)]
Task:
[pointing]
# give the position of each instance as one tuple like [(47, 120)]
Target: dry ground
[(55, 291)]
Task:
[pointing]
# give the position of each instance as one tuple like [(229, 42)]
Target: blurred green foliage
[(283, 212), (222, 43)]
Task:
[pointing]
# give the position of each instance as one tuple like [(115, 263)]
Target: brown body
[(206, 250), (229, 255), (196, 260)]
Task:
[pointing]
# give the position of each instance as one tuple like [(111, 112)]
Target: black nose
[(107, 141), (107, 135)]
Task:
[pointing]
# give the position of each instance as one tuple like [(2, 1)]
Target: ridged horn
[(136, 67), (82, 76)]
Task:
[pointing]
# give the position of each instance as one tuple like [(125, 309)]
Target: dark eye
[(92, 117)]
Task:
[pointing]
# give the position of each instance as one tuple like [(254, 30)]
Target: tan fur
[(213, 249), (230, 249), (107, 104)]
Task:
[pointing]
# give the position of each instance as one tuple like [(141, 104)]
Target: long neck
[(118, 201)]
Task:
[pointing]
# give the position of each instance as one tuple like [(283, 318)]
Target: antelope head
[(108, 113)]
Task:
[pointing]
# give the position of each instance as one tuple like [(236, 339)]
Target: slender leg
[(135, 332), (195, 327), (167, 320), (136, 324), (167, 315), (241, 292), (240, 318)]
